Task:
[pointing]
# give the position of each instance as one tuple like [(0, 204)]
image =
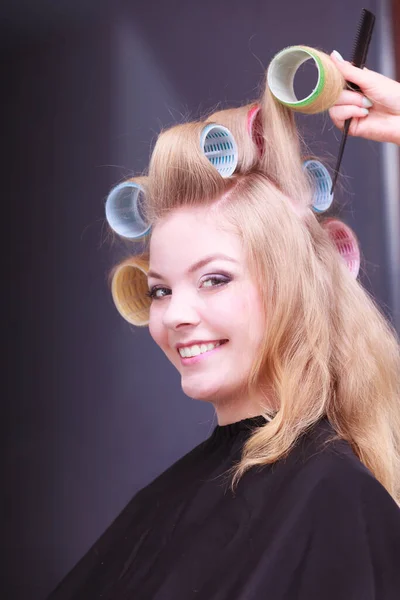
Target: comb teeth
[(363, 38)]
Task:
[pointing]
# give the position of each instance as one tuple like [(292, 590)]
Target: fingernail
[(338, 56), (366, 102), (365, 111)]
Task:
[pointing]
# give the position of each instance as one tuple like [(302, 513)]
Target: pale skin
[(375, 112), (198, 303)]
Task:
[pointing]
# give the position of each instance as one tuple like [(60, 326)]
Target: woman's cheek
[(155, 325)]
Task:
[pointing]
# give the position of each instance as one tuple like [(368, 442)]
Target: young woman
[(296, 493)]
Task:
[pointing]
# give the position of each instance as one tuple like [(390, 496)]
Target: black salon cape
[(315, 526)]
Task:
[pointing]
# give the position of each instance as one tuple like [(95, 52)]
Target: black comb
[(360, 51)]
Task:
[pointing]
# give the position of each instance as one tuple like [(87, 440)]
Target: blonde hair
[(327, 350)]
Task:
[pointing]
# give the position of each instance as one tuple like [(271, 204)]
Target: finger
[(347, 97), (361, 77), (341, 113), (354, 128)]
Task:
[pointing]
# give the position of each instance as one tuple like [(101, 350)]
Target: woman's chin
[(200, 391)]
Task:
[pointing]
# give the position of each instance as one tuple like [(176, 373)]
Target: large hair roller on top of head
[(189, 163), (124, 209), (219, 146), (243, 124), (282, 71)]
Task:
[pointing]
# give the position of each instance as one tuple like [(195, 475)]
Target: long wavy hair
[(327, 349)]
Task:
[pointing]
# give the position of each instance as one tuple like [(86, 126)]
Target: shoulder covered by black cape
[(314, 526)]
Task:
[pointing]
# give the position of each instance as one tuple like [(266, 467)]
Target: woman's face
[(207, 307)]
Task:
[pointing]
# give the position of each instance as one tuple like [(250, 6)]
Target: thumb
[(350, 72)]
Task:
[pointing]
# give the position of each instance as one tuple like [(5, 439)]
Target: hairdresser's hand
[(376, 115)]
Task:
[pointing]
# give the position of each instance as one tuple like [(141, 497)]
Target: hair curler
[(129, 290), (282, 71), (124, 211), (219, 146), (346, 243), (321, 182)]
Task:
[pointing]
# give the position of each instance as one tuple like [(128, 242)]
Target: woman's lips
[(195, 359)]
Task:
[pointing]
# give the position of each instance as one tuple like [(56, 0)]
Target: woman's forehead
[(193, 223), (187, 235)]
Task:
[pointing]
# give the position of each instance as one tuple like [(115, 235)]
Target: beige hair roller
[(129, 288), (282, 71)]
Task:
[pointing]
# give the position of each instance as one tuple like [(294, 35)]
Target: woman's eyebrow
[(197, 265)]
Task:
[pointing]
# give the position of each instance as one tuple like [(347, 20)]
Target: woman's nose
[(181, 310)]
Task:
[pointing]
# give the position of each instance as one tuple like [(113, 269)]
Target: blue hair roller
[(123, 210), (219, 146), (322, 184)]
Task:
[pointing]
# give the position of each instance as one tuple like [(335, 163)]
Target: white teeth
[(189, 351)]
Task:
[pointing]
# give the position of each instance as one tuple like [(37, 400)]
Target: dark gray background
[(92, 411)]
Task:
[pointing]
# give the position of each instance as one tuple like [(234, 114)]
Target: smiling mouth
[(198, 349)]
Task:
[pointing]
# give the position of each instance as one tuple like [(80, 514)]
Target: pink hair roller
[(345, 242), (254, 127)]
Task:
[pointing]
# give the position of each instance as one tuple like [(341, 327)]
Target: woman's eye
[(154, 293), (210, 281), (215, 280)]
